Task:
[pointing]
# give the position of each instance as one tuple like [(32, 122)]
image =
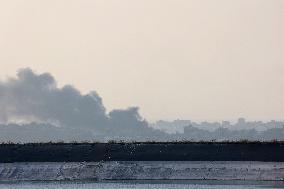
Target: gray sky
[(190, 59)]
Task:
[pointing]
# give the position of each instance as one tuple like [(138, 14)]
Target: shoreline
[(142, 171), (277, 184)]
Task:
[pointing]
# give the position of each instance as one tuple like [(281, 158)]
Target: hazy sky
[(190, 59)]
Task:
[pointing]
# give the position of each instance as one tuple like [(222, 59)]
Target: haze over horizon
[(182, 59), (35, 109), (30, 76)]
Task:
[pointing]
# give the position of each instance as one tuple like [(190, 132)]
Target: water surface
[(140, 185)]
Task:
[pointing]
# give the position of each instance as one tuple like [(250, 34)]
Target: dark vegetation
[(143, 151)]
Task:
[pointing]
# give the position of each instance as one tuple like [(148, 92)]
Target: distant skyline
[(34, 108), (175, 59)]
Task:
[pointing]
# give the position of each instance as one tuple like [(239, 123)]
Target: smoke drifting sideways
[(34, 108)]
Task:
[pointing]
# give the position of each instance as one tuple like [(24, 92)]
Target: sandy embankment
[(142, 170)]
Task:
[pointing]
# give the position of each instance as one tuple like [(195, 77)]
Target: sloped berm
[(142, 170)]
